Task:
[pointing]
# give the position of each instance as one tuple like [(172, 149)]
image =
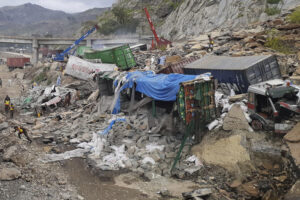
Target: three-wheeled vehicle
[(270, 102)]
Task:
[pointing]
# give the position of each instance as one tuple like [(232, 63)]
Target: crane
[(160, 42), (61, 56)]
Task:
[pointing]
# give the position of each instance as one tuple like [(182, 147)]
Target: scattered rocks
[(197, 193), (251, 188)]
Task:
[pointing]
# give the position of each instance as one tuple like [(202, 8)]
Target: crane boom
[(61, 56), (159, 41), (151, 25)]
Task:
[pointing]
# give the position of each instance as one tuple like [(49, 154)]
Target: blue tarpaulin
[(106, 131), (161, 87)]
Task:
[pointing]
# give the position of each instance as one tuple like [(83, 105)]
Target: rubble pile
[(22, 175), (232, 160)]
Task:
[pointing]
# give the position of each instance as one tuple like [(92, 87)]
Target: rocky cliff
[(194, 17)]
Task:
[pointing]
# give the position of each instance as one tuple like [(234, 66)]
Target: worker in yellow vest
[(12, 110), (6, 103), (210, 44), (22, 130)]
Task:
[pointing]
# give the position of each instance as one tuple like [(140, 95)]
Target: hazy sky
[(70, 6)]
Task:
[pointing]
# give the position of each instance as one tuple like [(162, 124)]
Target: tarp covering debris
[(85, 70), (162, 87)]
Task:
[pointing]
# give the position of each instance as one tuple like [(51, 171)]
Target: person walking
[(67, 99), (22, 130), (6, 103), (12, 110), (210, 44)]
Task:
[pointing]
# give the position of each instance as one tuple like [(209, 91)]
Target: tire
[(257, 125)]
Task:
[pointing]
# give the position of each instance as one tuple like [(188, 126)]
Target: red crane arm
[(152, 26)]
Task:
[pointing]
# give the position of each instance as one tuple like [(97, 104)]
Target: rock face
[(235, 119), (8, 174), (205, 16)]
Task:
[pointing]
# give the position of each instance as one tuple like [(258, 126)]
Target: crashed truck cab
[(270, 102)]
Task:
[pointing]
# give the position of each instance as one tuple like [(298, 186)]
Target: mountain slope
[(29, 19), (209, 15)]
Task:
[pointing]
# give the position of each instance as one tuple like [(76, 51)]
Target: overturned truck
[(270, 102)]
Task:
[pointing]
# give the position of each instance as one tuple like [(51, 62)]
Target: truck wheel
[(257, 125)]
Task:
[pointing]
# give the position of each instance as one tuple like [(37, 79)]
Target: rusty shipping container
[(17, 62), (177, 67)]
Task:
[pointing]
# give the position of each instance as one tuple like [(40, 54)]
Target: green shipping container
[(107, 56), (122, 56), (81, 50), (91, 55)]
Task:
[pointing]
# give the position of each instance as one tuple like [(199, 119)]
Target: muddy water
[(94, 186)]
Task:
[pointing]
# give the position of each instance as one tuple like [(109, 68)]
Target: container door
[(124, 57)]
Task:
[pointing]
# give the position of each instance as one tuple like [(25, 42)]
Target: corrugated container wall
[(121, 56), (196, 101), (237, 72), (82, 49), (17, 62)]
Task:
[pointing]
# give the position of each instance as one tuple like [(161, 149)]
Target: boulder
[(226, 152), (2, 118), (294, 134), (8, 174), (197, 193), (93, 97), (295, 152), (17, 155), (9, 153), (3, 126), (251, 188), (235, 119), (237, 98)]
